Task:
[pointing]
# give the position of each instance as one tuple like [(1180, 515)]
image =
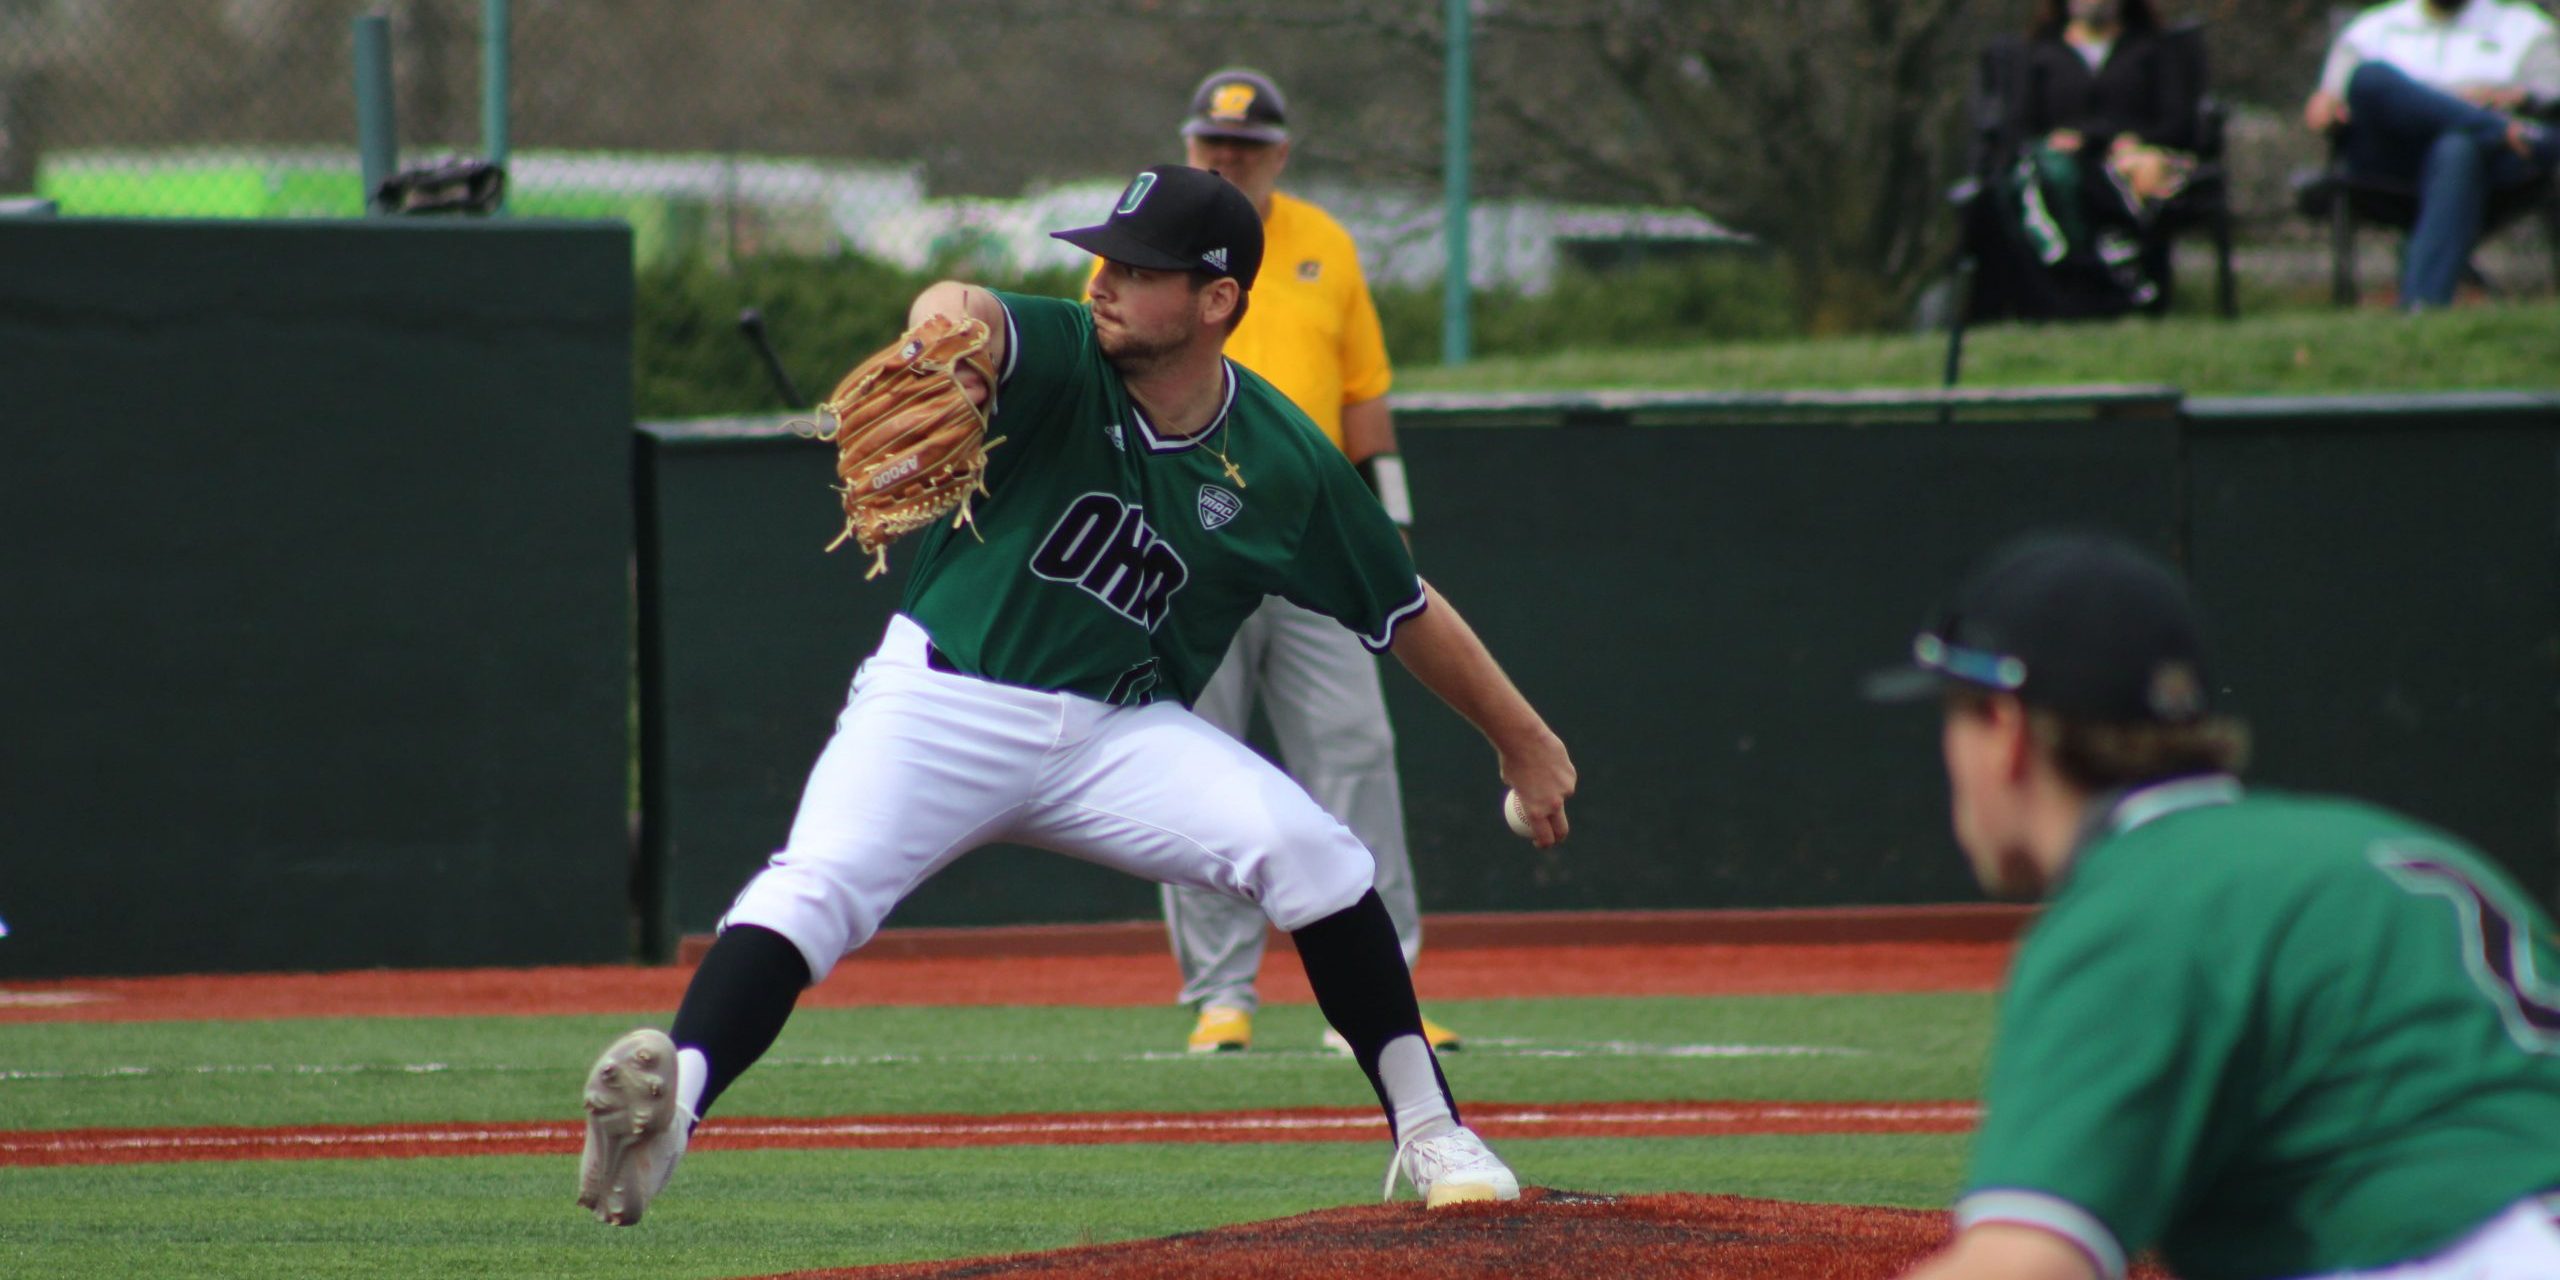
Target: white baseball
[(1517, 814)]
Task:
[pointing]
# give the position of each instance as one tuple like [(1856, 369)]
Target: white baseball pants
[(926, 765), (1319, 685)]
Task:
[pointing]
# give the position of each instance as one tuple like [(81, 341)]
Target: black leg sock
[(1357, 969), (737, 1002)]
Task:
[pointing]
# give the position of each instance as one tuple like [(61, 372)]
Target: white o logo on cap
[(1136, 194)]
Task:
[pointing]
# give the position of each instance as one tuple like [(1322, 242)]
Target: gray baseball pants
[(1320, 688)]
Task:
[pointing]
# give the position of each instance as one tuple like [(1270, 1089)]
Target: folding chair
[(2346, 200), (2000, 83)]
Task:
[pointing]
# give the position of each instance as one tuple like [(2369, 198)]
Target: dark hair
[(1244, 297), (2097, 756), (2051, 16)]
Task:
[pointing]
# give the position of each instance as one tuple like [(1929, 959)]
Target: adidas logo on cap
[(1177, 218)]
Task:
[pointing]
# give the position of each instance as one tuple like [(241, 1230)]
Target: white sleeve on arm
[(2539, 72), (2344, 58), (1012, 345), (2048, 1213)]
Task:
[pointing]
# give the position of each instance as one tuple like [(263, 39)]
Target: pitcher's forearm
[(1444, 653), (956, 298)]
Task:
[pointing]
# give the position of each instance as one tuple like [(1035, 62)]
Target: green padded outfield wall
[(316, 543), (1689, 586), (2384, 574)]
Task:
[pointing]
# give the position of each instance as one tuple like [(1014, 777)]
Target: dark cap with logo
[(1238, 103), (2084, 624), (1177, 218)]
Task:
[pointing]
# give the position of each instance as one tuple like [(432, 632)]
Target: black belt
[(936, 659)]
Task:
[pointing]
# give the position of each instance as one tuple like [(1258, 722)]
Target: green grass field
[(2290, 352), (751, 1212)]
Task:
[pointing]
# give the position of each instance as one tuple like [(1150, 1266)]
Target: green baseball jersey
[(2274, 1035), (1111, 561)]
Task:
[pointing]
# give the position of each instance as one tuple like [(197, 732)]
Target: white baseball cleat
[(635, 1130), (1452, 1168)]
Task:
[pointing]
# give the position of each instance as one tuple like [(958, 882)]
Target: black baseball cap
[(1177, 218), (2085, 624), (1238, 103)]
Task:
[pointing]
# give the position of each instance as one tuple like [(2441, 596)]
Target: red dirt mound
[(1547, 1233)]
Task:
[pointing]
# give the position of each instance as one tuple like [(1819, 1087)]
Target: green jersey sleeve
[(1352, 564), (2114, 1032), (1046, 341)]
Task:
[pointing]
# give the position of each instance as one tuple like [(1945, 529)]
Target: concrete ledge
[(1964, 922)]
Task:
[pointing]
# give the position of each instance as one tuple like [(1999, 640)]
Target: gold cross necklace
[(1223, 460), (1234, 473), (1226, 415)]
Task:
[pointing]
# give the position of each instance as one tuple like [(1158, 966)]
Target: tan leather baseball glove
[(910, 447)]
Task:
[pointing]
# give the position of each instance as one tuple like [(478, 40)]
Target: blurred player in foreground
[(2273, 1035), (1034, 686), (1313, 334)]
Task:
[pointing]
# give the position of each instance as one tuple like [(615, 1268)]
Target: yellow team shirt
[(1311, 330)]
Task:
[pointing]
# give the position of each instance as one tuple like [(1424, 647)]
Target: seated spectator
[(2101, 115), (2100, 80), (2431, 94)]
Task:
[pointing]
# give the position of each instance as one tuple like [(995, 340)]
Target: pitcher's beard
[(1133, 356)]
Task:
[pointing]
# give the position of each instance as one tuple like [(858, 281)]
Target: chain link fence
[(957, 134), (247, 108)]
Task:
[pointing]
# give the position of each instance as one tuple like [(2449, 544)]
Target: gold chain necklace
[(1232, 472)]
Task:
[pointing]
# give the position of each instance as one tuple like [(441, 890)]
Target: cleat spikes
[(634, 1139)]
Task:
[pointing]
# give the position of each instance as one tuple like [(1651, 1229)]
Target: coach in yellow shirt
[(1313, 333)]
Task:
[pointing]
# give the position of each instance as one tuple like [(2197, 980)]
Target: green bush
[(823, 315), (1682, 302)]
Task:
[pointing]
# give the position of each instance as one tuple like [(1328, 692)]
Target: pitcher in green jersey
[(1035, 688), (2272, 1035)]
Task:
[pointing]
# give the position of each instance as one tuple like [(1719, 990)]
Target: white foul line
[(1492, 1048)]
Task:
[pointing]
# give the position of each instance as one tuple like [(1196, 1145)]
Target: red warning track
[(1688, 953), (1313, 1124)]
